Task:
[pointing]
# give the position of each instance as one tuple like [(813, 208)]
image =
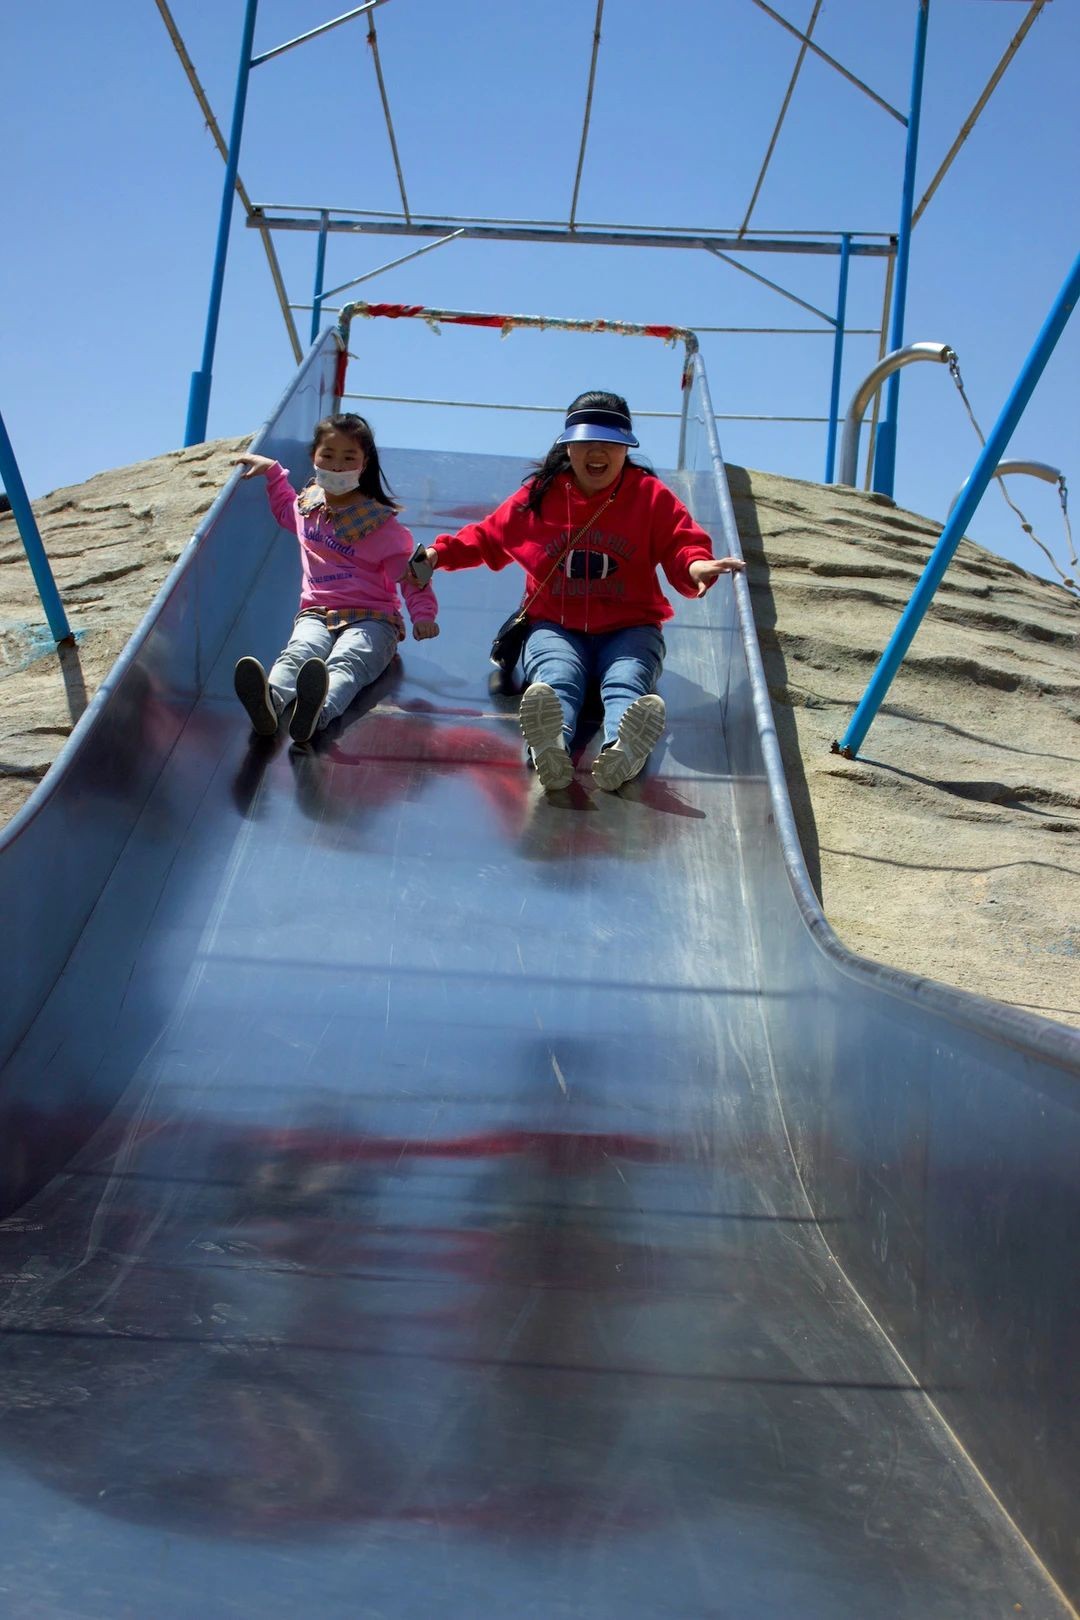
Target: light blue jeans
[(625, 663), (354, 657)]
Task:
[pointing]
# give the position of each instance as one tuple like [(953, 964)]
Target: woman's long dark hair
[(557, 459), (372, 482)]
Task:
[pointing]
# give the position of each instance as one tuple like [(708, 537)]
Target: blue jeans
[(625, 663), (354, 657)]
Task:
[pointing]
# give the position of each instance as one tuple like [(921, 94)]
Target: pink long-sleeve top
[(353, 557)]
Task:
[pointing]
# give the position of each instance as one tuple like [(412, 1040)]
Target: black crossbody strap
[(566, 550)]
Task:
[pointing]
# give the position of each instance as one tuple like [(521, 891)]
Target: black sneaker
[(312, 681), (541, 719), (253, 689), (640, 729)]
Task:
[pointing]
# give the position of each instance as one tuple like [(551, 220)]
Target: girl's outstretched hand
[(705, 572), (257, 466), (424, 629)]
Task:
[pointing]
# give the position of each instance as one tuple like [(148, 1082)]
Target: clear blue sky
[(113, 189)]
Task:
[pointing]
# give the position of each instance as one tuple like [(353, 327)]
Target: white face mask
[(337, 483)]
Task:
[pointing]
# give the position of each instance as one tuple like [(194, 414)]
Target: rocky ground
[(111, 542), (951, 848)]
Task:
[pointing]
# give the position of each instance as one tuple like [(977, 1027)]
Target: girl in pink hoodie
[(354, 553)]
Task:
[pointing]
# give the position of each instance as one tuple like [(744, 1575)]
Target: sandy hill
[(951, 849)]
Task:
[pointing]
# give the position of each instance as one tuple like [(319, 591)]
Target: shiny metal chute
[(425, 1196)]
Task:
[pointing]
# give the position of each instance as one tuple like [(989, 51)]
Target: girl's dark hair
[(372, 482), (557, 459)]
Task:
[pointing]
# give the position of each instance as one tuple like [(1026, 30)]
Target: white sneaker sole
[(640, 729), (253, 689), (312, 681), (541, 719)]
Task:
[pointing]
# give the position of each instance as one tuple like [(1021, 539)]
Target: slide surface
[(433, 1242)]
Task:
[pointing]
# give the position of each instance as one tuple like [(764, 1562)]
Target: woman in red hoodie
[(590, 527)]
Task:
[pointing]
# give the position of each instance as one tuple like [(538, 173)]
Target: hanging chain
[(954, 372), (1064, 494)]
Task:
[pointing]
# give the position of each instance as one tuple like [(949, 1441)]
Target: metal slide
[(430, 1199)]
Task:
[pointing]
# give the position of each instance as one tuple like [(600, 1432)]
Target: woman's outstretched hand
[(424, 629), (706, 571), (257, 466)]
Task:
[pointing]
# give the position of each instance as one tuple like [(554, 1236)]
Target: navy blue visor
[(594, 422)]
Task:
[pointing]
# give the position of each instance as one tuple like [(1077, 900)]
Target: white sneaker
[(640, 729), (253, 689), (541, 719), (312, 680)]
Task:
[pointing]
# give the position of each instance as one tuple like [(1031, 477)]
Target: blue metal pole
[(885, 456), (320, 272), (961, 515), (199, 396), (838, 355), (23, 514)]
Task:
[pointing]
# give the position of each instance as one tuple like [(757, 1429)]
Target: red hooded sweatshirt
[(608, 581)]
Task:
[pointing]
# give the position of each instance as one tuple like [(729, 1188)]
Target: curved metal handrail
[(1006, 469), (849, 443)]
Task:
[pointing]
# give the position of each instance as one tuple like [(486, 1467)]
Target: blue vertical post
[(885, 457), (838, 355), (320, 272), (961, 515), (23, 513), (199, 396)]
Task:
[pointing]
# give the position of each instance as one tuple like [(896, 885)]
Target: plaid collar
[(350, 523)]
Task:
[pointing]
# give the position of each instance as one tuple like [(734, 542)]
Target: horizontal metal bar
[(506, 322), (323, 28), (789, 331), (559, 410), (579, 235), (745, 416), (693, 326), (729, 331), (487, 405), (585, 224)]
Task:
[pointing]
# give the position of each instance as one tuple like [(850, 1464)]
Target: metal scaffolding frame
[(438, 230)]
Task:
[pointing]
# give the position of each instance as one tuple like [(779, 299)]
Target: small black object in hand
[(419, 567)]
